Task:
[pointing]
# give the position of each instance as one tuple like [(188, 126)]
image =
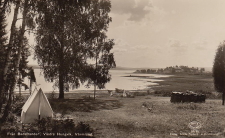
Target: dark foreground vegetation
[(57, 127)]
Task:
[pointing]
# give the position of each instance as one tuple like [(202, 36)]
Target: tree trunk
[(61, 78), (20, 84), (61, 70), (6, 67), (7, 107), (223, 98), (21, 35), (95, 81), (61, 74), (61, 83), (30, 86), (10, 45)]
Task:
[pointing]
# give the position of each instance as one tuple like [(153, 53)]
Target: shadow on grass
[(83, 105)]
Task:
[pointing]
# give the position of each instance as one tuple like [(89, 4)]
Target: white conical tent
[(36, 106)]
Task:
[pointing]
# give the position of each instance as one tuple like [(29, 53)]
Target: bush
[(83, 128), (49, 125), (140, 93), (17, 105), (52, 95), (162, 93), (9, 127), (59, 126), (119, 90)]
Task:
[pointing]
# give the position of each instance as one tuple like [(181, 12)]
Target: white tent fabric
[(36, 106)]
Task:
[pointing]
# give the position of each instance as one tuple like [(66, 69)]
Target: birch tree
[(15, 51), (66, 34)]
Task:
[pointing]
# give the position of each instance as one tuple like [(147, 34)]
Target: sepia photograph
[(112, 68)]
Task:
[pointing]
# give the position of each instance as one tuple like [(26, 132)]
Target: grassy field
[(147, 115), (143, 116)]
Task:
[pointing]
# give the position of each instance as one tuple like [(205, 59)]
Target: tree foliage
[(68, 34), (219, 70)]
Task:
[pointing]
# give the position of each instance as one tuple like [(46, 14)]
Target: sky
[(161, 33)]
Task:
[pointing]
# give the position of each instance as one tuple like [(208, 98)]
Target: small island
[(173, 70)]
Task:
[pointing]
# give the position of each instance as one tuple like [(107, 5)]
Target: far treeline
[(71, 45), (173, 69)]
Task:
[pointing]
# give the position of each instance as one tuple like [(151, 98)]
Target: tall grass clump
[(189, 106)]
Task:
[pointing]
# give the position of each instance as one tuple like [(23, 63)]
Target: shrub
[(162, 93), (52, 95), (17, 105), (140, 93), (59, 126), (130, 96), (9, 127), (83, 128), (49, 125), (119, 90)]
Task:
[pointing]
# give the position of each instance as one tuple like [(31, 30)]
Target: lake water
[(118, 81)]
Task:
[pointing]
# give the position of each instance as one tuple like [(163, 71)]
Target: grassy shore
[(182, 82)]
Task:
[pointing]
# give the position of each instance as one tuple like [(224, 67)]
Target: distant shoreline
[(208, 69)]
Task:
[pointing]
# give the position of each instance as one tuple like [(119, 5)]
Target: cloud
[(137, 9), (177, 48), (140, 47), (200, 45), (122, 6), (119, 50), (120, 46), (173, 43)]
